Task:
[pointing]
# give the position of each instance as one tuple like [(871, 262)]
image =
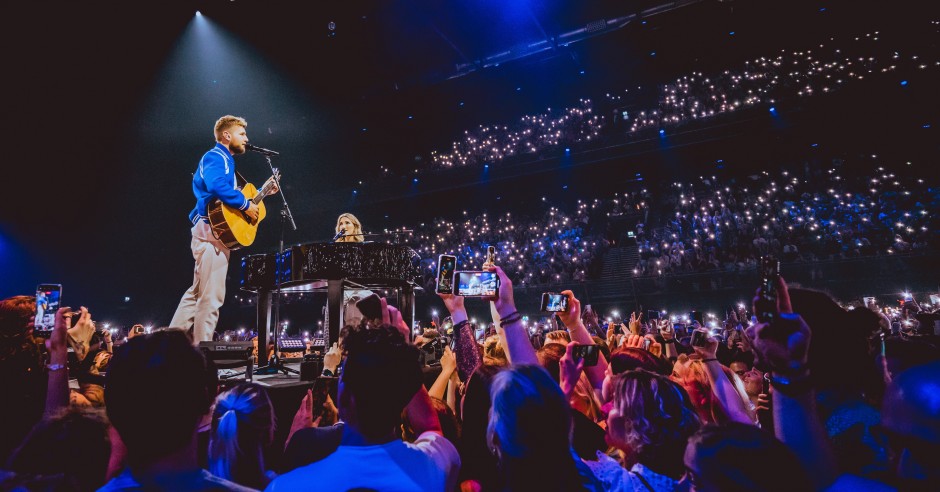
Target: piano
[(332, 267)]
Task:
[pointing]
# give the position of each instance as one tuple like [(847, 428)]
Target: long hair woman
[(242, 430), (351, 227)]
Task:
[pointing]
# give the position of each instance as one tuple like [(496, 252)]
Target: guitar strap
[(240, 180)]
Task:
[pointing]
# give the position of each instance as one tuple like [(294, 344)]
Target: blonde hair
[(558, 336), (692, 375), (226, 122), (242, 429), (493, 352), (353, 236)]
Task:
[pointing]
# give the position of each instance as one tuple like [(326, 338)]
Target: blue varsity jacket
[(215, 177)]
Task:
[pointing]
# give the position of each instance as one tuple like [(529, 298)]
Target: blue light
[(773, 109), (461, 104), (822, 9), (518, 89), (643, 22), (364, 128), (662, 132), (410, 117), (567, 150), (416, 180), (582, 72), (564, 187), (927, 125), (652, 53), (814, 145), (731, 33), (486, 166), (355, 192), (903, 82)]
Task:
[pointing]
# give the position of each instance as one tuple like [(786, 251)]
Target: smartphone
[(588, 353), (696, 316), (370, 307), (554, 303), (491, 255), (767, 304), (868, 301), (138, 329), (323, 387), (48, 300), (476, 284), (652, 314), (935, 299), (699, 337), (446, 264), (907, 297), (646, 343)]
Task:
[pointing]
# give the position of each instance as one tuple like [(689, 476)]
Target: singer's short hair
[(226, 122)]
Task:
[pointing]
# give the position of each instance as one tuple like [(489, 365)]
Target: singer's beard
[(238, 150)]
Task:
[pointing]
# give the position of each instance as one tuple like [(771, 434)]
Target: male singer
[(214, 178)]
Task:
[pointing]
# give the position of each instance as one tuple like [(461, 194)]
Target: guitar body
[(230, 225)]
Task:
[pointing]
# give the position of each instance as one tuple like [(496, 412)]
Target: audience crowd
[(765, 81), (810, 215), (555, 247), (805, 395)]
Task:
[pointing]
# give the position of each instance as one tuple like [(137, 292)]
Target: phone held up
[(476, 284), (48, 301), (699, 337), (491, 255), (554, 303), (446, 264), (767, 303), (586, 352)]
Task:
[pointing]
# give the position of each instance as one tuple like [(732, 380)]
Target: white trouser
[(200, 304)]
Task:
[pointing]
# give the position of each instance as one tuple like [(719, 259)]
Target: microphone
[(341, 233), (261, 150)]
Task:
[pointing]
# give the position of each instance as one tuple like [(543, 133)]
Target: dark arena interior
[(509, 245)]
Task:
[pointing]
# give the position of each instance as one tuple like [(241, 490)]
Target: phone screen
[(445, 274), (491, 254), (587, 352), (477, 284), (48, 299), (554, 303)]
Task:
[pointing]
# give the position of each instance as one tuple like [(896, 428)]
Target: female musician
[(351, 227)]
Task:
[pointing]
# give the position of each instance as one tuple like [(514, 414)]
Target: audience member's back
[(21, 372), (157, 393), (381, 375)]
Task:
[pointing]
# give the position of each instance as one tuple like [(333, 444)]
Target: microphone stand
[(275, 364)]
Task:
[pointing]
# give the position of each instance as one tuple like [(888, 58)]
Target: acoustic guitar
[(230, 225)]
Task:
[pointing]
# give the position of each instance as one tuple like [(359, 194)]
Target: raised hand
[(570, 370), (572, 315), (783, 345)]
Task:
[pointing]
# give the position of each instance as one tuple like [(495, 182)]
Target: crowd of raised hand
[(807, 395)]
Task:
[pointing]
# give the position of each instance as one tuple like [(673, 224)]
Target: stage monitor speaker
[(228, 355)]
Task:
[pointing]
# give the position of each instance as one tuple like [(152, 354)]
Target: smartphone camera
[(554, 303), (699, 337), (48, 299), (588, 353), (446, 264), (767, 304), (477, 284)]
